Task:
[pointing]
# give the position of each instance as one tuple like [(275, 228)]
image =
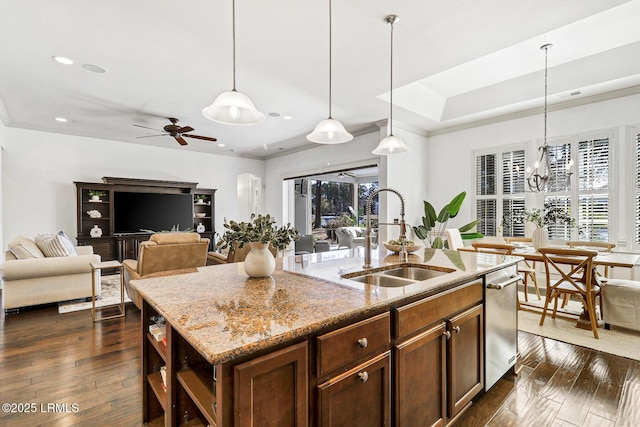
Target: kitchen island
[(312, 345)]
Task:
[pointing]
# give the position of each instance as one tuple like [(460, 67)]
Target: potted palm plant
[(433, 226), (259, 233)]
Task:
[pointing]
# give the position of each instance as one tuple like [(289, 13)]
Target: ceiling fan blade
[(206, 138), (185, 129), (180, 140), (145, 127), (149, 136)]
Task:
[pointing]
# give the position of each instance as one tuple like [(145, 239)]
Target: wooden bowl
[(398, 248)]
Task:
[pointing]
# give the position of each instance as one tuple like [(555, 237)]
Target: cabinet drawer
[(352, 343), (419, 314)]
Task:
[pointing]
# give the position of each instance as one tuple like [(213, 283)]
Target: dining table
[(610, 259)]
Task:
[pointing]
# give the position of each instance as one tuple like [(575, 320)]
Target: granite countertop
[(224, 314)]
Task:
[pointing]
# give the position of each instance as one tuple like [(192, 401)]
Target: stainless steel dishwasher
[(501, 324)]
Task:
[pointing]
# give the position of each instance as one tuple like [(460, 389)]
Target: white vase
[(540, 238), (95, 231), (200, 228), (259, 262), (95, 198)]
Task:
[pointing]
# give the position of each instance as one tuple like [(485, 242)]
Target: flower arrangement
[(260, 229), (550, 214)]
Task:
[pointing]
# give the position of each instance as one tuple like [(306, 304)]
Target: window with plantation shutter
[(559, 231), (593, 189), (637, 186), (500, 186), (486, 212), (513, 179), (513, 208), (559, 160), (486, 175)]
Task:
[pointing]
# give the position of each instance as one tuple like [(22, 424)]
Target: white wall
[(39, 168), (451, 166), (2, 140)]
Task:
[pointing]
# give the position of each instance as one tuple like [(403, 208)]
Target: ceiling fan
[(176, 131)]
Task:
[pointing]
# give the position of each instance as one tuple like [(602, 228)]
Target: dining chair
[(577, 278), (493, 248), (598, 246), (526, 268), (454, 238)]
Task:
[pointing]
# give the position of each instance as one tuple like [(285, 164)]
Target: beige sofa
[(43, 280), (162, 254)]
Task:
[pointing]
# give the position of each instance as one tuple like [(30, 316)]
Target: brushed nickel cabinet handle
[(457, 329), (364, 376), (447, 334), (363, 342)]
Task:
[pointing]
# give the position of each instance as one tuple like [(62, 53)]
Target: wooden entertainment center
[(119, 246)]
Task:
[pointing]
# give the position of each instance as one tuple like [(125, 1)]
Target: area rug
[(619, 341), (110, 295)]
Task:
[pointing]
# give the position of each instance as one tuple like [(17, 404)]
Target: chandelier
[(540, 177)]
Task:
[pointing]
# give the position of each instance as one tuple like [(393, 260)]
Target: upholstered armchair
[(165, 253), (232, 255), (350, 237)]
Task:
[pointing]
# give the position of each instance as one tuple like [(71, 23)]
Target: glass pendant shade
[(390, 145), (233, 108), (329, 131)]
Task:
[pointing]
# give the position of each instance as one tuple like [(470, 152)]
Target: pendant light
[(391, 144), (329, 131), (233, 107), (537, 179)]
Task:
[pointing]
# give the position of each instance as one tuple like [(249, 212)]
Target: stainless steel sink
[(415, 273), (382, 280)]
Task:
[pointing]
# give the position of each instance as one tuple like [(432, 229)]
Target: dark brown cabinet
[(353, 366), (421, 376), (99, 213), (438, 356), (465, 359), (273, 389), (419, 364), (358, 398)]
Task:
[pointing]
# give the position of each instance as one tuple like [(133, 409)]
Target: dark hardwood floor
[(561, 385), (48, 359)]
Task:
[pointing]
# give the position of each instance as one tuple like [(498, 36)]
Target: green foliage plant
[(433, 226), (261, 228), (550, 214), (201, 198), (98, 193)]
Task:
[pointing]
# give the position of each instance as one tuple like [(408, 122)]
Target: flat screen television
[(134, 212)]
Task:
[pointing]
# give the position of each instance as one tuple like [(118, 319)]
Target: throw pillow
[(55, 245), (25, 247)]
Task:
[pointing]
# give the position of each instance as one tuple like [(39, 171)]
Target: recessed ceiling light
[(62, 60), (221, 144), (287, 117), (94, 68), (61, 120)]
